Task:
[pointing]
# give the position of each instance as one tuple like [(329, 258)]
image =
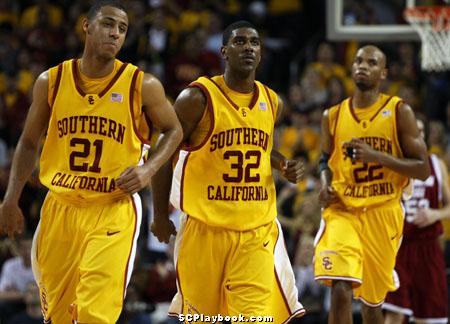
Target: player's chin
[(362, 85), (109, 55), (247, 67)]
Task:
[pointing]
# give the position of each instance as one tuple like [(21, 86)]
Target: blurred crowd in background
[(178, 41)]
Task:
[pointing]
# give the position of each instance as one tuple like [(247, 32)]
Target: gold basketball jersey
[(361, 184), (92, 137), (226, 181)]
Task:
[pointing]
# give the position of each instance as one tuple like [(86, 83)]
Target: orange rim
[(437, 16)]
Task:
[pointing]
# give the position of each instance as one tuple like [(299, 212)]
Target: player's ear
[(223, 52), (85, 24), (384, 74)]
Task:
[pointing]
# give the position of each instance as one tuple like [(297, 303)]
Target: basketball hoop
[(432, 23)]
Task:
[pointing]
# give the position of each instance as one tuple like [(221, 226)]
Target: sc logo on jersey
[(91, 99), (327, 264)]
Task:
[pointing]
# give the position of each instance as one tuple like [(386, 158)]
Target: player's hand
[(425, 217), (327, 196), (133, 179), (11, 220), (163, 228), (358, 150), (293, 170)]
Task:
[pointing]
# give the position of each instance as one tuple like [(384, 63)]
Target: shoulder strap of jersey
[(54, 80), (273, 99)]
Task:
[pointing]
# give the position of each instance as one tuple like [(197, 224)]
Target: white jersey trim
[(397, 309)]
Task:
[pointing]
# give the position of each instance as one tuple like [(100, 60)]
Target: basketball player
[(229, 243), (85, 244), (422, 295), (371, 146)]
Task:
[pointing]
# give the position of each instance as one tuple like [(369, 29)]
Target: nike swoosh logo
[(111, 233), (265, 243)]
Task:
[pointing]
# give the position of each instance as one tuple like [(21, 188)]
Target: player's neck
[(362, 99), (93, 67), (239, 84)]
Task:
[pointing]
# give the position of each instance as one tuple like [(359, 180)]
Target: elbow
[(28, 144), (175, 134), (423, 177), (179, 134), (176, 137), (425, 171)]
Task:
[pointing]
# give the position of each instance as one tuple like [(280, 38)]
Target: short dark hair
[(99, 4), (236, 25)]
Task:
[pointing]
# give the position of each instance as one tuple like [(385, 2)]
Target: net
[(433, 26)]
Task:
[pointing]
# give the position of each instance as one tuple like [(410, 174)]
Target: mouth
[(361, 74), (110, 44), (248, 58)]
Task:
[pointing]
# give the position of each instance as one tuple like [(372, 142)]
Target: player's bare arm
[(292, 170), (327, 194), (415, 162), (428, 216), (158, 109), (445, 190), (27, 151), (189, 107)]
